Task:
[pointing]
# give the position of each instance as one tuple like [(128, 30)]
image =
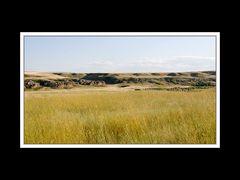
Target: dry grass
[(42, 75), (140, 117)]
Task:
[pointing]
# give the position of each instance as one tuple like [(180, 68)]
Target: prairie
[(117, 116)]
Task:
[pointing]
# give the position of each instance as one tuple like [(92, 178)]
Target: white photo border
[(108, 34)]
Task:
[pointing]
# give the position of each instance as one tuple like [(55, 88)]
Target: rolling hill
[(37, 80)]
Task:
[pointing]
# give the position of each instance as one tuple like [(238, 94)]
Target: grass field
[(120, 117)]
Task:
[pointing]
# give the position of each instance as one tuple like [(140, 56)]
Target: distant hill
[(69, 80)]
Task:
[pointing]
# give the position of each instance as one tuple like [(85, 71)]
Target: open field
[(115, 115)]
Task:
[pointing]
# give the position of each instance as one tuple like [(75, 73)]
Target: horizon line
[(119, 72)]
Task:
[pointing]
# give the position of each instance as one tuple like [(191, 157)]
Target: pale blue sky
[(119, 54)]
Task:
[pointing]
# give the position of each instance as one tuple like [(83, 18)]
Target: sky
[(119, 54)]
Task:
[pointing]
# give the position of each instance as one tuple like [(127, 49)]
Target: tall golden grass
[(132, 117)]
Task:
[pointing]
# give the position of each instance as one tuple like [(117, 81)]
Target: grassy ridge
[(39, 80), (121, 117)]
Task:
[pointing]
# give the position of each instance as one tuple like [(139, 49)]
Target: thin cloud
[(194, 57), (155, 64), (189, 61)]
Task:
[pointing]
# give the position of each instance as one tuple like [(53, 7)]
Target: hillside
[(37, 80)]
